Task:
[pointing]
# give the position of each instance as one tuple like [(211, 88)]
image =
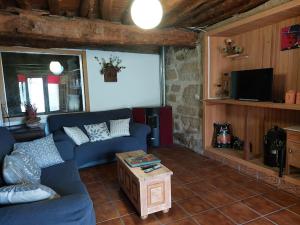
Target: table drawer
[(293, 136), (293, 154)]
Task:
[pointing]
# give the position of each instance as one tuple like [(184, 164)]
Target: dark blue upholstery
[(74, 207), (6, 144), (56, 122), (99, 152)]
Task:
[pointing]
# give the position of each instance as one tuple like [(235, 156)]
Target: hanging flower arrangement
[(110, 68)]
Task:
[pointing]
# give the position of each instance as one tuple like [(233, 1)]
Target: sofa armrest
[(64, 144), (139, 130), (71, 209)]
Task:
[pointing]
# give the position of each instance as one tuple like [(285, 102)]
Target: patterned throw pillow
[(43, 151), (22, 193), (21, 168), (97, 132), (119, 128), (77, 135)]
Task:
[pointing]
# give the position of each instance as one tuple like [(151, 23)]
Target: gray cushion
[(97, 132), (21, 168), (77, 135), (22, 193), (43, 151), (119, 128)]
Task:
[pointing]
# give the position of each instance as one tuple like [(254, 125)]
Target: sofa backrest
[(6, 145), (56, 122)]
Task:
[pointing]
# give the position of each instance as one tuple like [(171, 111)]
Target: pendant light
[(146, 14)]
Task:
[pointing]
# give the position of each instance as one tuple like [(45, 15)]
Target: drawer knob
[(290, 151)]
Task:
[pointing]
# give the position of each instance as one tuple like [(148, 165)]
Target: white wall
[(138, 84)]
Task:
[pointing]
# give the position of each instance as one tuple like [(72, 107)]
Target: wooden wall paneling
[(218, 64), (255, 131), (268, 17), (257, 45), (285, 63), (213, 113), (281, 118), (236, 116)]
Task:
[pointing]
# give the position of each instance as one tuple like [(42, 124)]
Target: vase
[(74, 103)]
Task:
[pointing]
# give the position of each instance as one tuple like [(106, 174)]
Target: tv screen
[(253, 85)]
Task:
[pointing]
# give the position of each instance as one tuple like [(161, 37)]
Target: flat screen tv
[(252, 85)]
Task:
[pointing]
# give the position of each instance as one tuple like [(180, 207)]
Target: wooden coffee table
[(148, 192)]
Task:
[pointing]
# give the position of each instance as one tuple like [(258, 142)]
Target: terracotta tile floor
[(204, 192)]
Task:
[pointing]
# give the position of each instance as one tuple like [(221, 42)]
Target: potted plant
[(31, 118), (110, 68)]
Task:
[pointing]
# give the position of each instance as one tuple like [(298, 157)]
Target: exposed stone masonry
[(184, 92)]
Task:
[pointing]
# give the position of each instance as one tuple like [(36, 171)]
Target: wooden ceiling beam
[(202, 9), (64, 7), (170, 5), (220, 11), (24, 4), (78, 32), (89, 8), (187, 10), (3, 4), (231, 12), (114, 10)]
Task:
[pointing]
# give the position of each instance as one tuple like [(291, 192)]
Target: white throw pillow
[(97, 132), (23, 193), (119, 128), (43, 151), (77, 135), (19, 168)]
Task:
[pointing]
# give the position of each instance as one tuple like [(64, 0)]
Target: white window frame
[(83, 73)]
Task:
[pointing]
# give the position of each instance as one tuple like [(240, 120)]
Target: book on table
[(143, 160)]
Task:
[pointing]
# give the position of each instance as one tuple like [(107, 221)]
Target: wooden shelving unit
[(269, 105), (259, 35)]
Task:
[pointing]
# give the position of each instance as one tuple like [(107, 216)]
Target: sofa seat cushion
[(63, 178), (66, 171), (74, 209), (104, 151)]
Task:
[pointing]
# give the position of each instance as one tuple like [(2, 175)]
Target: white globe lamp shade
[(146, 14), (56, 68)]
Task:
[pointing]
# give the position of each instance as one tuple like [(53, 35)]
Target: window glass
[(53, 83)]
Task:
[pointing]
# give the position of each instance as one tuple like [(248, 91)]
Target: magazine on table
[(143, 160)]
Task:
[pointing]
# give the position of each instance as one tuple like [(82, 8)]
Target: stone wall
[(183, 93)]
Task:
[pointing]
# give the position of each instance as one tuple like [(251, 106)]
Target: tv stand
[(247, 99), (250, 120)]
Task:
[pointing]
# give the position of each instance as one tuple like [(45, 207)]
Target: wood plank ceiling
[(177, 13)]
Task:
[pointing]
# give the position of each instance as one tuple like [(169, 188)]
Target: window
[(53, 83)]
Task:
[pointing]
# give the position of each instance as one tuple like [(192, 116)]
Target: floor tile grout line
[(270, 200), (228, 217)]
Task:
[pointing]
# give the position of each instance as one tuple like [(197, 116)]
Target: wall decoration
[(290, 37), (110, 68), (230, 48)]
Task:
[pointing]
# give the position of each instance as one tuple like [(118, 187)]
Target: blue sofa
[(99, 152), (74, 207)]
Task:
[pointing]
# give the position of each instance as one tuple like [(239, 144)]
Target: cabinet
[(292, 148), (23, 133), (259, 35)]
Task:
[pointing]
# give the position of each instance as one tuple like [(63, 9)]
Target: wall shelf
[(237, 56), (270, 105)]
